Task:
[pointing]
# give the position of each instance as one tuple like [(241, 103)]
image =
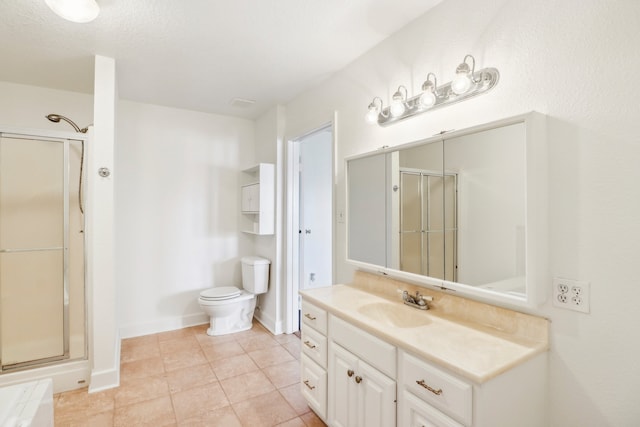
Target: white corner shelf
[(257, 200)]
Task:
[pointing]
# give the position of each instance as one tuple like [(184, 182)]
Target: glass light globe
[(372, 115), (397, 108), (461, 83), (427, 99), (80, 11)]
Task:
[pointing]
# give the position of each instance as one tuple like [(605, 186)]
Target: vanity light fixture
[(398, 101), (375, 109), (80, 11), (467, 83)]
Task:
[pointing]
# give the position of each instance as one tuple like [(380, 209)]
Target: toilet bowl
[(230, 309)]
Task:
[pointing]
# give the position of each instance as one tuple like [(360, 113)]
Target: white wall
[(574, 61), (269, 149), (104, 342), (177, 212)]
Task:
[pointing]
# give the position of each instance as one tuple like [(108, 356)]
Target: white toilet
[(231, 309)]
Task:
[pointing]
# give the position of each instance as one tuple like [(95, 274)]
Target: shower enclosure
[(428, 223), (42, 278)]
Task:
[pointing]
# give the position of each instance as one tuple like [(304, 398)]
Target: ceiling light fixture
[(466, 84), (80, 11)]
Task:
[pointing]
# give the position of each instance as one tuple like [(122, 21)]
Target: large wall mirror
[(463, 211)]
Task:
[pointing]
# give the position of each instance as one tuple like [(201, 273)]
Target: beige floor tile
[(205, 339), (80, 401), (156, 412), (141, 368), (270, 356), (257, 342), (283, 374), (80, 419), (192, 376), (139, 351), (183, 359), (312, 420), (138, 341), (172, 335), (189, 343), (233, 366), (140, 389), (222, 351), (294, 349), (266, 410), (223, 417), (178, 376), (198, 401), (243, 387), (296, 422), (293, 396)]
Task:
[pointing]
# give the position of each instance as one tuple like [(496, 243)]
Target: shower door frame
[(426, 195), (64, 138)]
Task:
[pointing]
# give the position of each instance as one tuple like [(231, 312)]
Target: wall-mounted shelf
[(257, 200)]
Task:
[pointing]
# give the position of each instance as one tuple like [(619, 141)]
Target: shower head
[(55, 118)]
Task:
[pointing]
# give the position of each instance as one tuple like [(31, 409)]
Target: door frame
[(292, 243)]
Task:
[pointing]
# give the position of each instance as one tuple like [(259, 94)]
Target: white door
[(376, 397), (315, 210), (342, 387)]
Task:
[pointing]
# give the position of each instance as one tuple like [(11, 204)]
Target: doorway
[(311, 217)]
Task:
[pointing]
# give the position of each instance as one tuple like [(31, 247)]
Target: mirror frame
[(536, 217)]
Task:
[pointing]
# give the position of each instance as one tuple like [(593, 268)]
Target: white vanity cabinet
[(257, 199), (429, 395), (313, 362), (361, 371)]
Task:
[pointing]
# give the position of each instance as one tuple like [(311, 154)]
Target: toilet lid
[(223, 292)]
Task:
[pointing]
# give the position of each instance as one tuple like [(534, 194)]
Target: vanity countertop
[(475, 340)]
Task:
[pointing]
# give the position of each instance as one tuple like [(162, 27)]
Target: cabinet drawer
[(417, 413), (313, 383), (314, 317), (314, 345), (381, 355), (441, 390)]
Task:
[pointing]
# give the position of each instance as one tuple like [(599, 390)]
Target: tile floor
[(187, 378)]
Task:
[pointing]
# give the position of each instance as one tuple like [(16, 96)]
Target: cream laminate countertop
[(476, 350)]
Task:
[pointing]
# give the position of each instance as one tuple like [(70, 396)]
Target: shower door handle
[(8, 251)]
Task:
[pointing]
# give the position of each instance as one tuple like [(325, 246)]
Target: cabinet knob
[(308, 344), (422, 383), (350, 373), (308, 316), (358, 379), (310, 387)]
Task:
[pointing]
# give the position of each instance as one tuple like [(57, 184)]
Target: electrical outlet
[(571, 294)]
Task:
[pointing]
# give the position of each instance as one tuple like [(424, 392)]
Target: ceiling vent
[(242, 103)]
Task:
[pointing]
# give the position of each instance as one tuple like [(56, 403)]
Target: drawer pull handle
[(350, 373), (437, 392), (358, 379), (310, 387), (308, 316), (308, 344)]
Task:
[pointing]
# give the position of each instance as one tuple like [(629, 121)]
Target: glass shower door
[(33, 251)]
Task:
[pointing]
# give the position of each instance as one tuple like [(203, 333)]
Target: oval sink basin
[(396, 315)]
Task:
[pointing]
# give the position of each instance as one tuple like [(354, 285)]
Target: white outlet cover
[(571, 294)]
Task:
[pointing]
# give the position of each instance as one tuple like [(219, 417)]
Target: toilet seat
[(220, 294)]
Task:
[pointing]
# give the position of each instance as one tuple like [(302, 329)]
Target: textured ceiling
[(198, 54)]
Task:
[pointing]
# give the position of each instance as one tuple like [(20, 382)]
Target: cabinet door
[(251, 198), (376, 397), (415, 412), (342, 387)]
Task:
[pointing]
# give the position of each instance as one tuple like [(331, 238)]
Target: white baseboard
[(107, 378), (66, 376), (162, 325), (275, 327)]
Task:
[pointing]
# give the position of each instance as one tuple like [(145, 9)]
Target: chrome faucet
[(418, 301)]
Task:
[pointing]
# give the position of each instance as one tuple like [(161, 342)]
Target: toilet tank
[(255, 274)]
